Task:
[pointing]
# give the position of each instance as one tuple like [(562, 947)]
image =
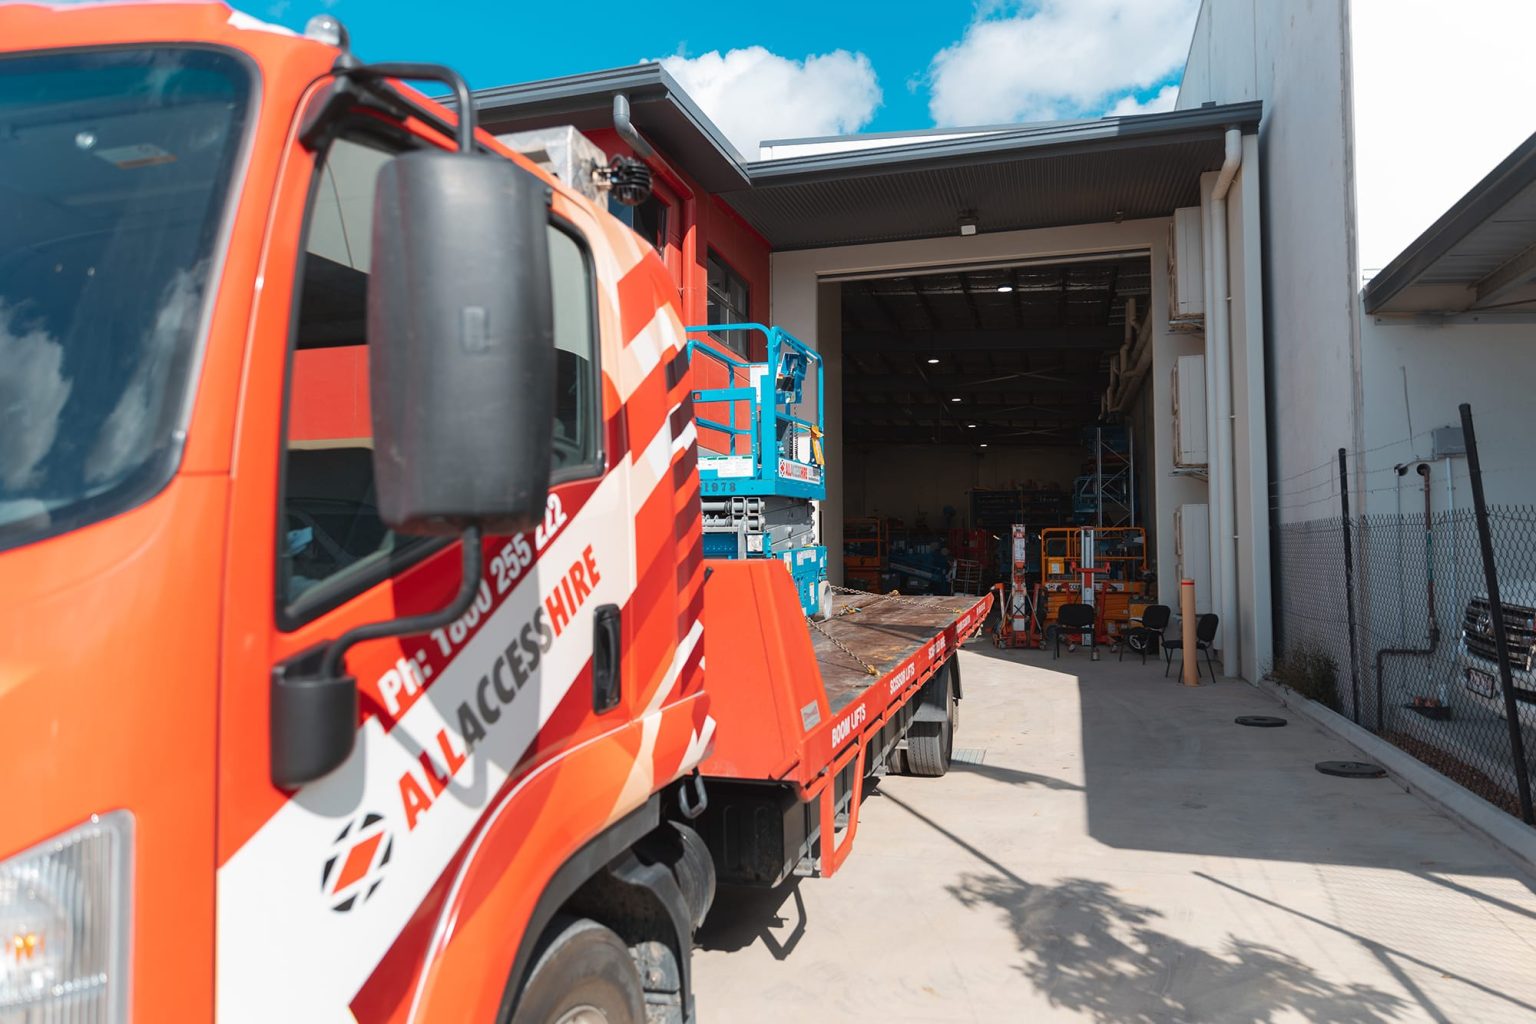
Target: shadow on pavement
[(742, 915), (1165, 768), (1013, 776), (1090, 951), (1387, 954)]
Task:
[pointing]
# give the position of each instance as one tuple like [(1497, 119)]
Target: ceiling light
[(970, 426), (954, 399), (983, 444), (1005, 287), (932, 361)]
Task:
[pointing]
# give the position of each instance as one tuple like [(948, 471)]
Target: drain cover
[(1351, 769), (1260, 721), (968, 755)]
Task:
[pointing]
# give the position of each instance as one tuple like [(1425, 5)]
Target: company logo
[(1485, 623), (356, 865)]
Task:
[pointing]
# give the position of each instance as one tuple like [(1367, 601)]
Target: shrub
[(1309, 670)]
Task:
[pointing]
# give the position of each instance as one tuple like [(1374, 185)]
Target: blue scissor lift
[(760, 453)]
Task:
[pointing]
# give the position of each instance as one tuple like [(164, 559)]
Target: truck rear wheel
[(584, 975), (930, 743)]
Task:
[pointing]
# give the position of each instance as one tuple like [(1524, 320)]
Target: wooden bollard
[(1191, 673)]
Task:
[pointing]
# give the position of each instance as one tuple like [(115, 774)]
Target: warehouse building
[(1001, 311)]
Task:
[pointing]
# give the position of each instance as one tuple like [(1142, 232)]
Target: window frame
[(599, 464), (331, 593), (328, 594), (713, 255)]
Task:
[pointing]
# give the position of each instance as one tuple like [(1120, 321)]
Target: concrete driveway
[(1123, 852)]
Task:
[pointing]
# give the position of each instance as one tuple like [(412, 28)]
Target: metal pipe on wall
[(1432, 642), (1218, 318)]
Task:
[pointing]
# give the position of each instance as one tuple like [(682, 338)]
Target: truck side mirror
[(461, 340)]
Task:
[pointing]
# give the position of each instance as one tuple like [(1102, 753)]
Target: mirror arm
[(335, 655), (408, 71)]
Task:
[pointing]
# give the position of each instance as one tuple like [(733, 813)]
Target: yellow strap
[(816, 446)]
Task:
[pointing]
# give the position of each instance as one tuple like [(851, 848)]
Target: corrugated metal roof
[(1480, 255), (1039, 175)]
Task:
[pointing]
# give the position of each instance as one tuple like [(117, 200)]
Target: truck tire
[(583, 975), (929, 744)]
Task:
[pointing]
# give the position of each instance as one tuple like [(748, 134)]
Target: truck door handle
[(607, 650)]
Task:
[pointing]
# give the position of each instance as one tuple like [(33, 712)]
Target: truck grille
[(1520, 637)]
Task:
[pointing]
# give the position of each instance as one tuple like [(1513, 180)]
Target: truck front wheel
[(583, 975)]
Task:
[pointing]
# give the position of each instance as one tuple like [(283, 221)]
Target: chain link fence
[(1421, 668)]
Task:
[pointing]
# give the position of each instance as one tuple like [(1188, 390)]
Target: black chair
[(1146, 630), (1074, 620), (1205, 632)]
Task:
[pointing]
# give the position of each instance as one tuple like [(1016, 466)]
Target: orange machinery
[(1018, 625), (866, 546), (1113, 558), (355, 611)]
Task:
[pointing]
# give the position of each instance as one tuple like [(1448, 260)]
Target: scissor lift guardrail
[(772, 419)]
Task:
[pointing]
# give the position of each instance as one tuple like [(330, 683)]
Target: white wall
[(1250, 435), (828, 318), (1293, 57), (1442, 93), (1492, 367)]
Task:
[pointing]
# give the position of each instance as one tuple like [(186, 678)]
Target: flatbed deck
[(878, 632), (807, 709)]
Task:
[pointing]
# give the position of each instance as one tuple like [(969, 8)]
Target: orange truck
[(358, 658)]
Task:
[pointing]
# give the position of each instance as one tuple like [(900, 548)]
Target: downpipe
[(1220, 343), (1433, 640)]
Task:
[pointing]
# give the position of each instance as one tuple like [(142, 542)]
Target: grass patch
[(1309, 670)]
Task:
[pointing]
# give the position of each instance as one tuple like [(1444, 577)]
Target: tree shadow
[(1090, 951)]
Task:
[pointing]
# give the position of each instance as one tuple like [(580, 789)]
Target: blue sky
[(805, 67)]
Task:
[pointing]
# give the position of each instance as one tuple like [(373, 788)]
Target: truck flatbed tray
[(878, 630)]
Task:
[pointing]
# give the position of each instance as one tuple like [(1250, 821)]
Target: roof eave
[(658, 105), (1513, 174)]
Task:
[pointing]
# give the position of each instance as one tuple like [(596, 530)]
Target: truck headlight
[(64, 921)]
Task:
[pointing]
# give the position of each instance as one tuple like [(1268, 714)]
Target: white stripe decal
[(271, 910)]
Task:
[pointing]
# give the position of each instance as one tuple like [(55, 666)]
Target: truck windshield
[(115, 169)]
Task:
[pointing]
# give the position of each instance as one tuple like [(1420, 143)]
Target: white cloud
[(127, 435), (33, 390), (1057, 59), (752, 94), (1164, 100)]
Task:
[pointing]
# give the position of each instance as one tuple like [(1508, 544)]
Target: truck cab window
[(331, 541), (115, 174), (577, 412)]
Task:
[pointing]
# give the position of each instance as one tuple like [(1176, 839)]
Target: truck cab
[(257, 771)]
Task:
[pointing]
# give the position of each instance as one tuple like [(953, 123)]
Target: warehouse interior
[(975, 397)]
